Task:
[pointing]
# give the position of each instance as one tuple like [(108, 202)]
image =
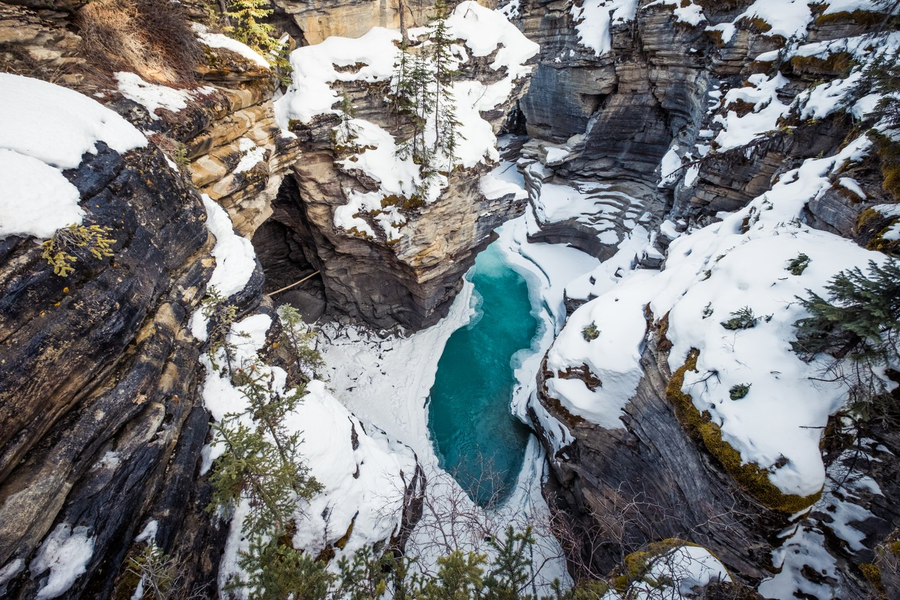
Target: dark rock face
[(648, 481), (102, 425)]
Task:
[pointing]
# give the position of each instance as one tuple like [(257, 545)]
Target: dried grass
[(152, 38)]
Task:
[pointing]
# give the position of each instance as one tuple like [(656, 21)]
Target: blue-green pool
[(476, 437)]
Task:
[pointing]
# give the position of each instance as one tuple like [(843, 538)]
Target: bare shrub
[(152, 38)]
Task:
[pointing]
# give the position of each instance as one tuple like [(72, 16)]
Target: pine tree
[(446, 124), (511, 569), (860, 320), (245, 16)]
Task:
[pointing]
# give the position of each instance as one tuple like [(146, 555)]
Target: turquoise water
[(471, 426)]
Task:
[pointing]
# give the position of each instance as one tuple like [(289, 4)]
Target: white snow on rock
[(44, 129), (234, 254), (689, 13), (65, 553), (674, 574), (35, 198), (57, 125), (251, 155), (363, 486), (314, 70), (593, 19), (767, 109), (152, 96), (837, 6), (788, 18), (502, 180), (218, 40), (711, 273), (320, 69)]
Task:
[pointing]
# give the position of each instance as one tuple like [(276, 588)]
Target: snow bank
[(234, 254), (710, 274), (767, 109), (217, 40), (593, 19), (35, 198), (45, 129), (65, 553), (360, 468), (153, 97), (56, 125)]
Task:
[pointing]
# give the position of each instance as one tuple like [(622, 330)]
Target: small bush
[(796, 266), (153, 39), (707, 310), (68, 244), (590, 333), (741, 319), (739, 391)]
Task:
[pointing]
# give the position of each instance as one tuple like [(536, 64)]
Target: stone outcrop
[(102, 425), (618, 117), (319, 19)]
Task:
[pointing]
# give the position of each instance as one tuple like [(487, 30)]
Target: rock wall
[(604, 124)]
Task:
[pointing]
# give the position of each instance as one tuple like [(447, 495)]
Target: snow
[(45, 129), (852, 185), (314, 69), (315, 91), (36, 199), (10, 570), (502, 180), (65, 553), (252, 155), (153, 97), (148, 533), (837, 6), (739, 131), (788, 18), (56, 125), (217, 40), (822, 100), (674, 574), (692, 14), (670, 165), (593, 19), (614, 357), (719, 269), (363, 486), (234, 254)]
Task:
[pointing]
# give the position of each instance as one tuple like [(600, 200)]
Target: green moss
[(757, 24), (873, 575), (751, 477), (889, 152), (869, 221), (590, 333), (637, 565), (590, 590), (860, 17), (838, 63)]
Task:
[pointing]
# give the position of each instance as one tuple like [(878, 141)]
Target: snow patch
[(65, 553)]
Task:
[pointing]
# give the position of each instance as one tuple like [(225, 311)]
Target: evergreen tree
[(511, 569), (245, 16), (446, 124), (860, 320)]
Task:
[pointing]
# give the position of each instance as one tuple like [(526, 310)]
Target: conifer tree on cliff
[(446, 124)]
